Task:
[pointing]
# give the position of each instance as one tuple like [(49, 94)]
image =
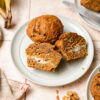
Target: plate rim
[(25, 76), (84, 20), (88, 81)]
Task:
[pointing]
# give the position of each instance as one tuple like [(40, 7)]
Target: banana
[(8, 11), (8, 5), (5, 12), (2, 4), (2, 10)]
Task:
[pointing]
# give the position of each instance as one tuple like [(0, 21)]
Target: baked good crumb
[(70, 95), (43, 56), (72, 46), (83, 68), (65, 98)]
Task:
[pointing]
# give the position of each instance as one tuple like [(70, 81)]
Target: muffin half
[(95, 87), (72, 46), (43, 56)]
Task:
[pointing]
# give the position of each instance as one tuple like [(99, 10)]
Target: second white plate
[(66, 73)]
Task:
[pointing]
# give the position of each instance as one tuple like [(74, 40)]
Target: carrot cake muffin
[(91, 4), (45, 28), (72, 46), (43, 56), (95, 87)]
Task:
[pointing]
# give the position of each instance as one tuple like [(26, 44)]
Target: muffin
[(45, 28), (95, 87), (91, 4), (43, 56), (72, 46)]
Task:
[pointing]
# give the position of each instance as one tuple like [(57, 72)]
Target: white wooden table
[(22, 11)]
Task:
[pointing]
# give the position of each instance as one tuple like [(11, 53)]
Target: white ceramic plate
[(88, 92), (87, 21), (67, 71)]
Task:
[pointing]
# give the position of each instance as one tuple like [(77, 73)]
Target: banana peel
[(5, 12)]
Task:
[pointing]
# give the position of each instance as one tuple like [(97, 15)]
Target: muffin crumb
[(45, 28), (57, 97), (72, 46), (57, 91), (72, 95)]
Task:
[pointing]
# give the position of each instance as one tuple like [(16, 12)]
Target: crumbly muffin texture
[(43, 56), (91, 4), (71, 95), (95, 87), (72, 46), (45, 28)]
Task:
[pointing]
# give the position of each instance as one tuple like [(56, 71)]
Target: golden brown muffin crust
[(95, 87), (45, 28), (91, 4)]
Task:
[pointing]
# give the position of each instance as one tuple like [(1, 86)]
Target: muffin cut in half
[(72, 46), (91, 4), (45, 28), (95, 87), (43, 56)]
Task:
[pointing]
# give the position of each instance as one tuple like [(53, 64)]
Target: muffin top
[(45, 28)]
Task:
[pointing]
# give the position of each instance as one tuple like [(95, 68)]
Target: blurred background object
[(5, 12)]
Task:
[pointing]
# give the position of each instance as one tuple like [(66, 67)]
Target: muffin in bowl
[(91, 4)]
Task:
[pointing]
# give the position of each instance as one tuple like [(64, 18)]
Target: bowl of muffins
[(52, 50), (92, 6)]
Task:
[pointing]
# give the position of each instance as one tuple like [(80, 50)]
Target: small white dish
[(87, 21), (88, 92), (67, 71)]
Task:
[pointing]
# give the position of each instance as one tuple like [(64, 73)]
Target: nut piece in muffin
[(45, 28), (95, 87), (43, 56), (72, 46), (91, 4)]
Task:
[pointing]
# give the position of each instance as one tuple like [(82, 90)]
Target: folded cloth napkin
[(10, 89)]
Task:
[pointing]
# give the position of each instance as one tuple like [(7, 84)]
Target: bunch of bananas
[(5, 12)]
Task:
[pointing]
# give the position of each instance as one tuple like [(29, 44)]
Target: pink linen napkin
[(10, 89)]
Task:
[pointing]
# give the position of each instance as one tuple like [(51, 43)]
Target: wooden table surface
[(22, 11)]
